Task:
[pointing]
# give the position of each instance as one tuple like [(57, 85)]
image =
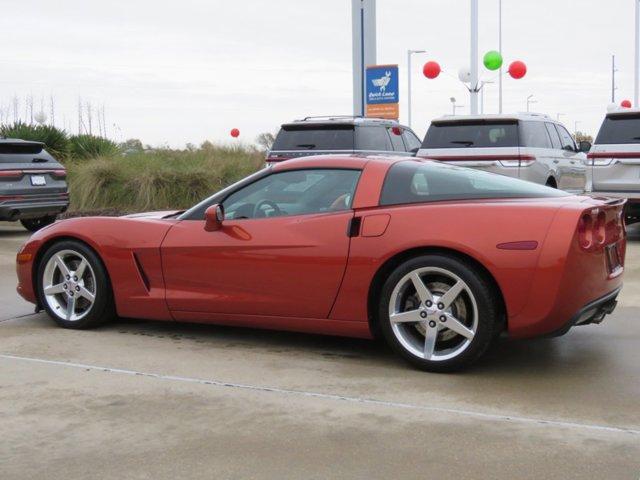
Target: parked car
[(346, 245), (615, 159), (529, 146), (33, 188), (344, 135)]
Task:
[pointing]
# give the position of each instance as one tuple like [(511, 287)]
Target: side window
[(566, 139), (373, 138), (396, 139), (410, 140), (296, 192), (553, 134), (534, 134)]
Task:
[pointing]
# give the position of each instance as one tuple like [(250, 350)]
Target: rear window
[(19, 152), (619, 129), (373, 138), (314, 137), (471, 134), (419, 182), (534, 134)]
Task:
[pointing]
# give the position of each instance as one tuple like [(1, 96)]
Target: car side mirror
[(213, 216), (584, 146)]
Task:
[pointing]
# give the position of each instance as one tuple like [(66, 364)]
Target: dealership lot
[(158, 400)]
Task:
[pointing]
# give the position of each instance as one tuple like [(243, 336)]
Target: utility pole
[(613, 78), (473, 91), (500, 50), (409, 53), (363, 40)]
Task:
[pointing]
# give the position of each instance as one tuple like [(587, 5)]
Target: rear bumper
[(632, 196), (33, 206), (593, 312)]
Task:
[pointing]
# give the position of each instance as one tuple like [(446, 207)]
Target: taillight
[(59, 173), (11, 173), (595, 231), (519, 161)]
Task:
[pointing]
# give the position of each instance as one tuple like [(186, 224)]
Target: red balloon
[(396, 130), (625, 103), (517, 69), (431, 69), (235, 133)]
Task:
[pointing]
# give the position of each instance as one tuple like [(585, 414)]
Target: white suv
[(529, 146), (615, 159)]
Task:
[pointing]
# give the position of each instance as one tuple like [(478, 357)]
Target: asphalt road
[(161, 400)]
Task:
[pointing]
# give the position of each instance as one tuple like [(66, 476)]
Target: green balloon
[(492, 60)]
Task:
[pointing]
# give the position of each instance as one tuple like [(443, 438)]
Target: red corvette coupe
[(437, 259)]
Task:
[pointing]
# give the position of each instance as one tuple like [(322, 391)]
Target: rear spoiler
[(9, 147)]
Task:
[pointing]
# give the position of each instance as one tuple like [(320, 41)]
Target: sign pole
[(636, 89), (363, 41)]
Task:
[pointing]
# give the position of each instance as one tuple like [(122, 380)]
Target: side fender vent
[(143, 275)]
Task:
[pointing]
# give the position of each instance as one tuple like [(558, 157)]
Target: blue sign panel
[(382, 84)]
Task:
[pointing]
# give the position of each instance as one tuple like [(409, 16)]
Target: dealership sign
[(382, 94)]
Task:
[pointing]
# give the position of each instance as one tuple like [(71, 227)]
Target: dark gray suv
[(33, 187), (342, 135)]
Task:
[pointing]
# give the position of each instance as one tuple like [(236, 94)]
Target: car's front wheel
[(35, 224), (73, 286), (438, 313)]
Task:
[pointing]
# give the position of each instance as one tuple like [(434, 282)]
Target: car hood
[(159, 214)]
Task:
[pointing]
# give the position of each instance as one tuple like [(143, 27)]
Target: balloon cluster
[(492, 60)]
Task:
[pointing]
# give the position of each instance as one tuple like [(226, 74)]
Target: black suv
[(33, 188), (342, 134)]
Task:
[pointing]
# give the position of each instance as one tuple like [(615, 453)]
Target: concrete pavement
[(160, 400)]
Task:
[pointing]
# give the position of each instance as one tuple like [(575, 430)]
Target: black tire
[(551, 183), (103, 308), (488, 316), (35, 224)]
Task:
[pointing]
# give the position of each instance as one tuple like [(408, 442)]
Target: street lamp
[(575, 128), (454, 106), (409, 53), (529, 101)]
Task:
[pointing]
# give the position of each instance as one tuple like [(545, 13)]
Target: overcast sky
[(177, 72)]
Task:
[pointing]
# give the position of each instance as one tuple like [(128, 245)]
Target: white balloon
[(612, 107), (40, 117), (464, 74)]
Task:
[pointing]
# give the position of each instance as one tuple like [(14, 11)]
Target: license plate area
[(614, 264), (38, 180)]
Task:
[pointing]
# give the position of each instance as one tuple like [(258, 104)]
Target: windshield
[(314, 137), (472, 134)]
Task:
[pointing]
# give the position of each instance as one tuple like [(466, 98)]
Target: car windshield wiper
[(466, 143), (307, 145)]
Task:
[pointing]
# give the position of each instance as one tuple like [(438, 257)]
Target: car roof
[(343, 120), (619, 112), (337, 161), (19, 140), (496, 116)]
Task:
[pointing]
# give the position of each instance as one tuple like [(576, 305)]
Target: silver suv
[(615, 159), (529, 146), (342, 134)]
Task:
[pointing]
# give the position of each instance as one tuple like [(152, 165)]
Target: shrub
[(90, 146), (56, 140), (157, 180)]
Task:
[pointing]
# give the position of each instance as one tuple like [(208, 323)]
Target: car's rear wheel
[(438, 313), (35, 224), (73, 286)]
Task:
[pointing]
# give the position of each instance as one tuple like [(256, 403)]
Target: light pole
[(529, 101), (409, 53), (613, 78), (636, 72), (454, 106), (575, 128), (500, 50), (482, 84), (558, 115), (473, 91)]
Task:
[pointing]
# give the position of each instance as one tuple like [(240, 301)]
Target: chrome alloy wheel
[(433, 313), (69, 285)]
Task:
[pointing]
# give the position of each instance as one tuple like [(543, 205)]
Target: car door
[(281, 251), (573, 174)]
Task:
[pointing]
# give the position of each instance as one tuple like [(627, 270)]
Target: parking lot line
[(329, 396)]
